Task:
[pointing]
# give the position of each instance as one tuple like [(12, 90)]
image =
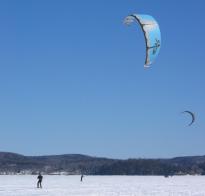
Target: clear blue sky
[(72, 79)]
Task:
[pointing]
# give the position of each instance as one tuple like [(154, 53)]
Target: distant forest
[(74, 164)]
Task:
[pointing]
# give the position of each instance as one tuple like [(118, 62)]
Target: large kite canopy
[(152, 35), (192, 116)]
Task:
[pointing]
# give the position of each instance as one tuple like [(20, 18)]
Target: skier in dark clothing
[(81, 178), (40, 178)]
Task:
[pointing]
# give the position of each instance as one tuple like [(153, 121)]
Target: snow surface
[(103, 186)]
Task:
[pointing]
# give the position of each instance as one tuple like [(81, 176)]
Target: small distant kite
[(152, 35), (192, 116)]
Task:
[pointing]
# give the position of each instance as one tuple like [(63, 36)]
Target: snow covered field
[(103, 186)]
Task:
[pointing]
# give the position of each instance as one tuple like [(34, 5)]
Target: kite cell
[(192, 116), (152, 35)]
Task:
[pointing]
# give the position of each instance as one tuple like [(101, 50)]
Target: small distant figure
[(40, 178), (81, 178)]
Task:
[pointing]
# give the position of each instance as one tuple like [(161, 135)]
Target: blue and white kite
[(152, 35)]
